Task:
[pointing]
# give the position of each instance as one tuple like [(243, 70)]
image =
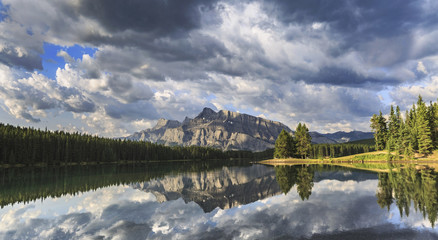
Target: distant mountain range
[(342, 137), (229, 130)]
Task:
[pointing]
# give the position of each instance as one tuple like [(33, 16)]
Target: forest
[(338, 150), (417, 132), (29, 146)]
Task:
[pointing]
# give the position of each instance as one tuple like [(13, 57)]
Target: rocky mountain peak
[(226, 130), (186, 120), (229, 114), (207, 113), (164, 123)]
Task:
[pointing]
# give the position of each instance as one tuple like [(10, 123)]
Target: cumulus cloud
[(408, 95), (421, 68), (26, 96), (248, 55)]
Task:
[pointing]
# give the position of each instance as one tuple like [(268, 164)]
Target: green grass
[(363, 157)]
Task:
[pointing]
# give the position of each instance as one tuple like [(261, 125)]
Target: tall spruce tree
[(284, 145), (394, 129), (433, 123), (303, 140), (378, 126), (424, 134), (413, 128)]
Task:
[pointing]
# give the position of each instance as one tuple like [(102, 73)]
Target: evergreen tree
[(424, 134), (284, 145), (419, 132), (303, 140), (433, 123), (405, 143), (378, 126)]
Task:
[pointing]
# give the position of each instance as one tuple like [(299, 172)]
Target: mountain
[(224, 129), (229, 130), (342, 137)]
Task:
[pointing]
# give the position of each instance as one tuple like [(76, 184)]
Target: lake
[(213, 200)]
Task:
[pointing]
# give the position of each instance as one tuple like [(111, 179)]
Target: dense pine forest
[(417, 132), (338, 150), (28, 146)]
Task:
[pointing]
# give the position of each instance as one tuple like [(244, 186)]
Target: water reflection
[(410, 185), (30, 184), (226, 202), (304, 176), (288, 176), (225, 187)]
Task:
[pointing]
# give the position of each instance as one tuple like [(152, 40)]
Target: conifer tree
[(424, 135), (284, 145), (303, 140), (433, 123), (378, 126)]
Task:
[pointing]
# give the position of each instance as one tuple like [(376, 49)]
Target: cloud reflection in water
[(335, 209)]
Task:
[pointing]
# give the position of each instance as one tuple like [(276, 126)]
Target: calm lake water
[(188, 200)]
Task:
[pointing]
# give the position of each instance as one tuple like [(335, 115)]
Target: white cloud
[(249, 56), (421, 67), (405, 96), (317, 25)]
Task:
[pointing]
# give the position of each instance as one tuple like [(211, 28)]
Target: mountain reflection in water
[(210, 200)]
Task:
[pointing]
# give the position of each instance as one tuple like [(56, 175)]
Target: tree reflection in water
[(408, 185), (403, 186), (302, 176)]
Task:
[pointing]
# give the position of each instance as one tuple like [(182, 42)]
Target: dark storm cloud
[(368, 18), (358, 24), (131, 111), (12, 58), (219, 49), (345, 77), (156, 17)]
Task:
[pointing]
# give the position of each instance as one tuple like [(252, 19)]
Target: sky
[(112, 67)]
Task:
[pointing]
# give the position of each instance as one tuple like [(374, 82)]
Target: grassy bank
[(370, 157)]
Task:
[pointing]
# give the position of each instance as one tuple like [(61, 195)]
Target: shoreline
[(366, 165), (287, 161)]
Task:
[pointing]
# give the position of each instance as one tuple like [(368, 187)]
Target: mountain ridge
[(343, 137), (223, 129)]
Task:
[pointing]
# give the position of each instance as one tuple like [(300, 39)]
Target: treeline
[(416, 132), (338, 150), (29, 146)]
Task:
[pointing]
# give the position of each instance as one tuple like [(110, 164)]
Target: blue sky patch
[(3, 11), (51, 62)]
